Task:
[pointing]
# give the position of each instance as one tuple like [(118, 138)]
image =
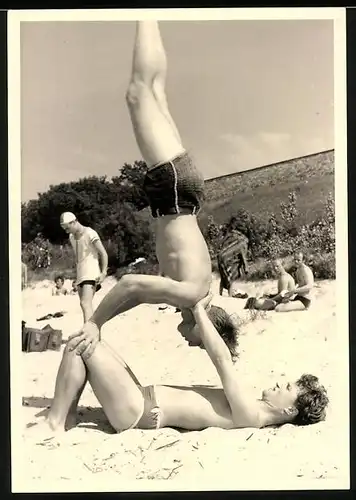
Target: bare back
[(285, 282)]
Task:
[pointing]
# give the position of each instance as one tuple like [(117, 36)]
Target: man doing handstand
[(175, 190)]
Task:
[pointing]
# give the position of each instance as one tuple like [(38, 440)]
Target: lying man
[(128, 405), (174, 188)]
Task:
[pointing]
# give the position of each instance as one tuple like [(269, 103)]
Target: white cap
[(67, 217)]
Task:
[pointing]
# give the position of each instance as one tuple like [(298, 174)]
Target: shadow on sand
[(88, 417)]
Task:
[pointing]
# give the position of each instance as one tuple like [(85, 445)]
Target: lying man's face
[(189, 329), (281, 395), (220, 319)]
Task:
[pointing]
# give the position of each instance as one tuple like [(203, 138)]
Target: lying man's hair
[(311, 402), (226, 328)]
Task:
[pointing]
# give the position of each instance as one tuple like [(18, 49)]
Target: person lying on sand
[(128, 405), (299, 298), (174, 188), (285, 284)]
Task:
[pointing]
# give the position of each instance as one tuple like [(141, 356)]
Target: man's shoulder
[(90, 232)]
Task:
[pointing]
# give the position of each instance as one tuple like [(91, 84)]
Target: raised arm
[(244, 407)]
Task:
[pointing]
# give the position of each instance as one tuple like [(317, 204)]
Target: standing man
[(91, 260)]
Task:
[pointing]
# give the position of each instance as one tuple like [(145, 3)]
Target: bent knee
[(137, 91), (70, 347)]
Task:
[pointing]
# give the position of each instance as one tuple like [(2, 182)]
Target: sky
[(243, 94)]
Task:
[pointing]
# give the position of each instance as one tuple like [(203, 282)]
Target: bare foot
[(45, 433)]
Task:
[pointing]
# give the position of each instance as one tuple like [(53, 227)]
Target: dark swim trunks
[(306, 302), (173, 186), (91, 282)]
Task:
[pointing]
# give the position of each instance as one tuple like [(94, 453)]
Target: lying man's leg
[(70, 383), (115, 387), (113, 383)]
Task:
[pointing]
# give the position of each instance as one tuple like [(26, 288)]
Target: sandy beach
[(272, 346)]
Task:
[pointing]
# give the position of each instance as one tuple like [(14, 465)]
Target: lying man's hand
[(85, 341), (204, 302)]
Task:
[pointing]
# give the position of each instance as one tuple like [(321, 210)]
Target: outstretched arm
[(244, 408)]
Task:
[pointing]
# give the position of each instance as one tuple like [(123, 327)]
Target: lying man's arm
[(244, 408)]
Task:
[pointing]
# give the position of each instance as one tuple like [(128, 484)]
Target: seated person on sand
[(174, 189), (59, 288), (74, 289), (128, 405), (299, 298), (285, 284)]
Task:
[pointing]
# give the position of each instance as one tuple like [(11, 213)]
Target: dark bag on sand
[(36, 340), (54, 338)]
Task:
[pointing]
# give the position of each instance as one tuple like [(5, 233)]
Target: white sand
[(271, 347)]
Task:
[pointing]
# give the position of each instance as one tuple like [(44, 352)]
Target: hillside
[(261, 190)]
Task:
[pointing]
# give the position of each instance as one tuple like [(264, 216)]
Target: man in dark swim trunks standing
[(175, 191), (91, 260)]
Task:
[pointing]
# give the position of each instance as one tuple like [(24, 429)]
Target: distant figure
[(231, 260), (59, 288), (91, 260), (285, 284), (24, 276), (299, 298), (74, 289)]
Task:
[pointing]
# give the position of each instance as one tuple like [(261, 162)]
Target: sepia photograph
[(178, 211)]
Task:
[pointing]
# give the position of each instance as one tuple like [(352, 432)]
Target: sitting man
[(285, 284), (128, 405), (299, 298)]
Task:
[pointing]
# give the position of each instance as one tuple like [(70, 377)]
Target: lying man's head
[(301, 403), (223, 323)]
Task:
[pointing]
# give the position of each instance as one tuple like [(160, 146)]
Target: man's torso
[(181, 250), (194, 408), (87, 260), (303, 275)]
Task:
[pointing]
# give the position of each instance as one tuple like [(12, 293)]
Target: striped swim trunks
[(175, 186)]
